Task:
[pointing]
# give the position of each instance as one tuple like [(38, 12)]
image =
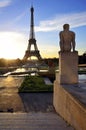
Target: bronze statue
[(67, 39)]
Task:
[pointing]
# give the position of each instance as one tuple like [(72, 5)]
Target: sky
[(49, 18)]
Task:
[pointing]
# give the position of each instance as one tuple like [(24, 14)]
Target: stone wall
[(68, 107)]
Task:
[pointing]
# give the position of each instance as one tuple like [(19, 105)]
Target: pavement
[(11, 100), (9, 97), (30, 111)]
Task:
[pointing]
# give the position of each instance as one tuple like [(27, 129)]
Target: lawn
[(34, 84)]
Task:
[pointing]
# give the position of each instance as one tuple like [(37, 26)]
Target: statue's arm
[(61, 41), (73, 42)]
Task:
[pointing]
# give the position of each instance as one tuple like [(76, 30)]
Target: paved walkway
[(39, 107)]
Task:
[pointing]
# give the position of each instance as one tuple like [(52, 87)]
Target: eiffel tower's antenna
[(31, 2), (32, 34)]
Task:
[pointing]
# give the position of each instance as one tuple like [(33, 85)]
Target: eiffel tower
[(32, 41)]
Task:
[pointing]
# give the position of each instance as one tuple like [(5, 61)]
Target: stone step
[(32, 121)]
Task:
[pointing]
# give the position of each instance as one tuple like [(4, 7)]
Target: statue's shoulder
[(61, 32), (72, 32)]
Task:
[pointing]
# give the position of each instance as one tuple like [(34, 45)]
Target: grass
[(34, 84)]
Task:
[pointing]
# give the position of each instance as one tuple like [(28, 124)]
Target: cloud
[(4, 3), (19, 17), (74, 19)]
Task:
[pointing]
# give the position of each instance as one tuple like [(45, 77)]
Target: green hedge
[(35, 84), (82, 72)]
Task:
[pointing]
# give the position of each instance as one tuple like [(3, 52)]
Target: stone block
[(68, 68)]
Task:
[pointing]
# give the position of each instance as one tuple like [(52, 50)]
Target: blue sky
[(49, 17)]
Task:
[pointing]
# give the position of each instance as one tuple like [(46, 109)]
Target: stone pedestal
[(68, 68)]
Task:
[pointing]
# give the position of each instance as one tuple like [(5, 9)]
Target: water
[(25, 69), (22, 72), (33, 71), (47, 81), (82, 77)]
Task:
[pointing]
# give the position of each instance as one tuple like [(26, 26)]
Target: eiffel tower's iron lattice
[(32, 41)]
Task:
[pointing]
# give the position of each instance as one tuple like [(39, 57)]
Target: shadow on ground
[(37, 102)]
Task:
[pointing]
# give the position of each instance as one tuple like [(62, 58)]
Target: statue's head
[(66, 26)]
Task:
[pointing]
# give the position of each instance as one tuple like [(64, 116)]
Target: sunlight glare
[(12, 45)]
